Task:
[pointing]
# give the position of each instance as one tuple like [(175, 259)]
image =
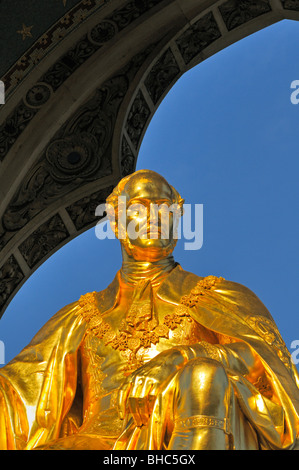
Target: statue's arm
[(38, 386)]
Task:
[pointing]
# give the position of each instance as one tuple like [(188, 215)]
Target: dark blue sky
[(226, 137)]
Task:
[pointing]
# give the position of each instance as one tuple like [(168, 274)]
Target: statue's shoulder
[(226, 291), (88, 305), (65, 319), (243, 297), (96, 303)]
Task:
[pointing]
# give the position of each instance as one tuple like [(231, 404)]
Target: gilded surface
[(160, 359)]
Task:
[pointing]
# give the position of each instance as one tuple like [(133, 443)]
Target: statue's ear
[(110, 211), (113, 225), (178, 199)]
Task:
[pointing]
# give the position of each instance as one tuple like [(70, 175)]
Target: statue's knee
[(204, 375)]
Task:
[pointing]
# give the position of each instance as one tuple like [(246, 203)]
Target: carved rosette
[(38, 95), (74, 157), (103, 32)]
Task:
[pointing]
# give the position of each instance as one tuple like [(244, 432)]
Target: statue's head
[(144, 211)]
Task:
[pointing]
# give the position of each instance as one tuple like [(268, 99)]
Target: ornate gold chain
[(205, 284), (132, 335)]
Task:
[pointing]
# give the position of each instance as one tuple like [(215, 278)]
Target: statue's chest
[(133, 334)]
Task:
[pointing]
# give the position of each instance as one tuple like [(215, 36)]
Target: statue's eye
[(164, 209), (137, 210)]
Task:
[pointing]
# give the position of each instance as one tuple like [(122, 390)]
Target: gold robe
[(60, 391)]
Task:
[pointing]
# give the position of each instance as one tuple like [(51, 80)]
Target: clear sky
[(225, 136)]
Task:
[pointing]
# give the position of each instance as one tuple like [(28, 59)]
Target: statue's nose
[(154, 215)]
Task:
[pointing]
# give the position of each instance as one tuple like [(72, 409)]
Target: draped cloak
[(39, 387)]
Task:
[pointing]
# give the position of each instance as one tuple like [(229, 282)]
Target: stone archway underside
[(76, 113)]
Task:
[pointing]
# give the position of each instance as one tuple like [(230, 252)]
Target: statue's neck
[(133, 271)]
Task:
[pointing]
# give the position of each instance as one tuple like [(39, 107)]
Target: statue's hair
[(112, 199)]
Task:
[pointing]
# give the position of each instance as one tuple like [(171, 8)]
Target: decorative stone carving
[(38, 95), (82, 212), (291, 4), (69, 62), (161, 75), (18, 120), (131, 11), (235, 12), (127, 158), (14, 125), (102, 32), (196, 38), (10, 277), (137, 119), (73, 157), (43, 240), (5, 236)]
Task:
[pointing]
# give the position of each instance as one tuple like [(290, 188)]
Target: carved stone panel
[(236, 13), (196, 38), (128, 160), (82, 212), (291, 4), (43, 240), (161, 75), (138, 116), (131, 11), (10, 277), (69, 62)]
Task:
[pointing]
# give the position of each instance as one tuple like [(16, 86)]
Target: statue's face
[(149, 219)]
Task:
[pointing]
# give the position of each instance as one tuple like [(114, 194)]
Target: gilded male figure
[(160, 359)]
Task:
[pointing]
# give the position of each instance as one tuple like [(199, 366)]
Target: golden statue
[(160, 359)]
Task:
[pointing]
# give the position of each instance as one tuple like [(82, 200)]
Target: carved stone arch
[(73, 126)]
